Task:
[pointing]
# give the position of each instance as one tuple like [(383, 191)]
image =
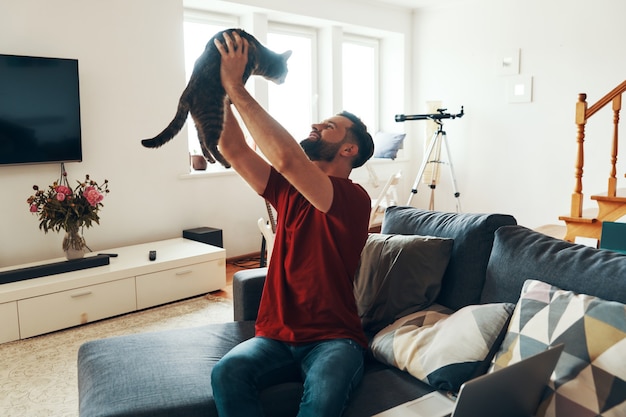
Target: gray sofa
[(168, 373)]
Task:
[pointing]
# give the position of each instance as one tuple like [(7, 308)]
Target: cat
[(204, 95)]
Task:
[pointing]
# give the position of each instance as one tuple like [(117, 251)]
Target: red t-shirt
[(308, 294)]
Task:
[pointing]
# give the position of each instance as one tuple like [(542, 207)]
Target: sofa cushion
[(382, 388), (473, 238), (519, 254), (398, 275), (590, 376), (441, 347), (155, 374)]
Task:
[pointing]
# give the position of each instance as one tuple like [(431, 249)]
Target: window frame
[(374, 43), (206, 18), (327, 40), (310, 33)]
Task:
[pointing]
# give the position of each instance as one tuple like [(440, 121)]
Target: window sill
[(388, 161), (209, 173)]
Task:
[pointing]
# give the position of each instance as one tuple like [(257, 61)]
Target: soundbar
[(22, 274)]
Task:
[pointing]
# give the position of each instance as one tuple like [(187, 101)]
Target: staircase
[(610, 206)]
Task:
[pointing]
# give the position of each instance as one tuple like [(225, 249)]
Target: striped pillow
[(427, 344)]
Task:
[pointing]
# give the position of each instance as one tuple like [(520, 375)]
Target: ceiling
[(408, 3), (415, 4)]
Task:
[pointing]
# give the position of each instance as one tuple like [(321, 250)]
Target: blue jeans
[(330, 369)]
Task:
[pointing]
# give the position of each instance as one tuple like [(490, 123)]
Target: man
[(308, 322)]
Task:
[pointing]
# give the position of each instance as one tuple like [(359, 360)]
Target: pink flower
[(93, 196), (33, 208), (63, 190), (60, 196)]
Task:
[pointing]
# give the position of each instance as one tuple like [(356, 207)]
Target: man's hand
[(234, 54)]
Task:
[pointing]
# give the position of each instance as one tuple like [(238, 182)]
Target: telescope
[(433, 116)]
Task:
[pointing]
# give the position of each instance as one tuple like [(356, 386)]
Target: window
[(198, 30), (292, 103), (300, 101), (360, 78)]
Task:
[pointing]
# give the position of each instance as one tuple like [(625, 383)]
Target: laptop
[(513, 391)]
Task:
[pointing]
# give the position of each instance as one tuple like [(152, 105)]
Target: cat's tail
[(172, 129)]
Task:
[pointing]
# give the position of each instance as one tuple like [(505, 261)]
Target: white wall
[(131, 73), (511, 158), (519, 158)]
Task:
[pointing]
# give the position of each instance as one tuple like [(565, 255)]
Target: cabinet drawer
[(70, 308), (9, 330), (175, 284)]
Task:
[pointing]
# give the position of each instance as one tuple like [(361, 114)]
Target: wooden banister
[(617, 106), (617, 91), (583, 113)]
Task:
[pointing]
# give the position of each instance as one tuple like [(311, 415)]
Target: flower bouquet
[(61, 207)]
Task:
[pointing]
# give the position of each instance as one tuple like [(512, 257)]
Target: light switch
[(508, 62)]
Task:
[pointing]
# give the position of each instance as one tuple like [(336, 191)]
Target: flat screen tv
[(39, 110)]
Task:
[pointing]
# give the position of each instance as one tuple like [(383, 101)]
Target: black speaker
[(208, 235), (53, 268)]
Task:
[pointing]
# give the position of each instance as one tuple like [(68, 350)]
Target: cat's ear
[(286, 55)]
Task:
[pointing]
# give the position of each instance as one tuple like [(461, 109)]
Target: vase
[(198, 162), (74, 245)]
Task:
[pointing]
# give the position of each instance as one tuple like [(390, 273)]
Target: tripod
[(435, 143)]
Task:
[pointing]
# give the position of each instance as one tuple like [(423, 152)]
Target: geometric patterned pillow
[(441, 347), (590, 376)]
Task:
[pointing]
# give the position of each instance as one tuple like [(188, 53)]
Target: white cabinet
[(183, 268), (73, 307), (9, 329), (175, 284)]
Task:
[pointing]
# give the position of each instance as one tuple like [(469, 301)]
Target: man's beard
[(318, 150)]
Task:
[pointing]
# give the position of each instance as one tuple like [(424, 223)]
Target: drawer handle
[(188, 271), (81, 294)]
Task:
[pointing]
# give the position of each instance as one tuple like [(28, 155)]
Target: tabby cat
[(204, 95)]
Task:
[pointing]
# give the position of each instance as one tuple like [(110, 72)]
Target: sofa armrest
[(247, 289)]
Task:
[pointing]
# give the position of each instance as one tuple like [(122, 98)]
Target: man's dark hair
[(363, 139)]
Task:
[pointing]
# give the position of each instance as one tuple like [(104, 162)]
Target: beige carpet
[(38, 375)]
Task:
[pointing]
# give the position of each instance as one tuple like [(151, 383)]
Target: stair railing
[(583, 113)]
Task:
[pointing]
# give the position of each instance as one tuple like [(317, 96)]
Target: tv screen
[(39, 110)]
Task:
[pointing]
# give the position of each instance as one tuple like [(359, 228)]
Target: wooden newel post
[(581, 119), (617, 106)]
